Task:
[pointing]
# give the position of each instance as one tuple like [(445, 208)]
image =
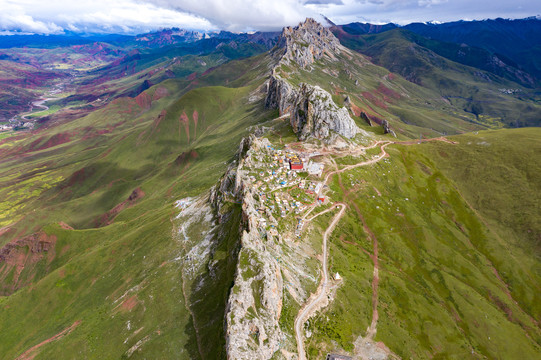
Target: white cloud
[(428, 3), (14, 17), (241, 15), (53, 16)]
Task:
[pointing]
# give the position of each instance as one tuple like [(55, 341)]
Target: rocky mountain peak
[(307, 42)]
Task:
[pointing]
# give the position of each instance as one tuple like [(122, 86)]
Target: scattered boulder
[(366, 118), (387, 129)]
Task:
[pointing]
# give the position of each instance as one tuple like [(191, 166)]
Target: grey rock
[(307, 43), (280, 94), (366, 118), (252, 317), (387, 129), (314, 113)]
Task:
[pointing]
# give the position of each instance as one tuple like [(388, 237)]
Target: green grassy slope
[(409, 108), (89, 205), (95, 259), (468, 88), (459, 259)]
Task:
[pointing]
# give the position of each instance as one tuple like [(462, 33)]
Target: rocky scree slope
[(312, 111)]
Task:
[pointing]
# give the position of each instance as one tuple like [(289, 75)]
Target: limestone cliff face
[(255, 302), (308, 42), (314, 113)]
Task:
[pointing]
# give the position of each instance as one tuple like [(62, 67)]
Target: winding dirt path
[(321, 293), (32, 352), (375, 280), (316, 300)]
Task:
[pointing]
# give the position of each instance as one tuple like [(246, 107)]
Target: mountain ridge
[(200, 209)]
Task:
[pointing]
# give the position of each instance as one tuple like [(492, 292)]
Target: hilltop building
[(315, 168), (295, 163)]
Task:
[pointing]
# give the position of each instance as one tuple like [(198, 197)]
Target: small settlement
[(284, 185)]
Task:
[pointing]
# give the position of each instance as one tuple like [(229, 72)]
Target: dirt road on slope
[(321, 293), (32, 352), (317, 299)]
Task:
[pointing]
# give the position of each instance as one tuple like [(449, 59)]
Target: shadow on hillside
[(210, 290)]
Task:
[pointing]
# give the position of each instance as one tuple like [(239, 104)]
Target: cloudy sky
[(136, 16)]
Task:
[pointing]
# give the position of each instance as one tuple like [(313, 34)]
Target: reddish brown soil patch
[(57, 139), (129, 303), (142, 139), (192, 76), (185, 160), (373, 99), (79, 177), (143, 100), (195, 117), (4, 230), (24, 254), (387, 93), (186, 157), (356, 110), (110, 215), (186, 122), (65, 249), (208, 71), (160, 93), (159, 119), (33, 351), (502, 306), (65, 226), (375, 119), (392, 76)]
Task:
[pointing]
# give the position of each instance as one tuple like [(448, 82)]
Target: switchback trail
[(317, 298), (321, 292)]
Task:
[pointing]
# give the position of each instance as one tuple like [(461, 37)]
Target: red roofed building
[(295, 164)]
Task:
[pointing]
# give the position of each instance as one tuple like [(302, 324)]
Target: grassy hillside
[(372, 90), (516, 39), (99, 259), (470, 89), (458, 235), (88, 207)]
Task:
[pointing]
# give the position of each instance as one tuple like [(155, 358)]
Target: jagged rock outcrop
[(307, 42), (366, 118), (280, 94), (314, 113), (387, 129), (255, 302)]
